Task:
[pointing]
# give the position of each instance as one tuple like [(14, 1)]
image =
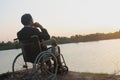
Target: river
[(97, 57)]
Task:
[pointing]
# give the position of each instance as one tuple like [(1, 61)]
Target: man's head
[(26, 19)]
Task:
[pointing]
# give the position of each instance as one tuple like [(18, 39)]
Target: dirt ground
[(88, 76), (71, 76)]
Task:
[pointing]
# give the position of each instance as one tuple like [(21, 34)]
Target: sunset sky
[(60, 17)]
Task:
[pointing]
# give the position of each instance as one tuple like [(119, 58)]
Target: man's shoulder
[(25, 29), (22, 30)]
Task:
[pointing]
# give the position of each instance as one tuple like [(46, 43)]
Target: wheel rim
[(43, 68), (20, 68)]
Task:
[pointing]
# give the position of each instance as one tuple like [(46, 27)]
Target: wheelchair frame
[(40, 69)]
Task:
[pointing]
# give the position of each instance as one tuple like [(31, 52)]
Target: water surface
[(98, 56)]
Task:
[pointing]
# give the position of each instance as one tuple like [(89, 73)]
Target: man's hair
[(25, 19)]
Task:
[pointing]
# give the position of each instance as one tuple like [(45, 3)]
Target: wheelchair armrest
[(50, 41), (34, 36)]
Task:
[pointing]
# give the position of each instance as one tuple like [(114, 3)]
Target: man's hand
[(36, 24)]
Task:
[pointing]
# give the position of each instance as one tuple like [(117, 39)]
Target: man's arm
[(44, 34)]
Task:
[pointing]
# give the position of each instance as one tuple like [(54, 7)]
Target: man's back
[(31, 50), (26, 32)]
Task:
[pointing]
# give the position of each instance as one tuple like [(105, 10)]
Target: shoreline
[(65, 43)]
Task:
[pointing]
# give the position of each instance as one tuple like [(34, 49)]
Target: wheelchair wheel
[(64, 69), (45, 66), (21, 69)]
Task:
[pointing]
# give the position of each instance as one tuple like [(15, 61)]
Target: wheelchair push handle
[(16, 39)]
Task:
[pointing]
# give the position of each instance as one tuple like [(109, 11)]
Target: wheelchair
[(42, 65)]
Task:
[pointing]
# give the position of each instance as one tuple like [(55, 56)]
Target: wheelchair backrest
[(30, 49)]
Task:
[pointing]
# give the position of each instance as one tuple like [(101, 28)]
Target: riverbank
[(64, 40), (71, 75)]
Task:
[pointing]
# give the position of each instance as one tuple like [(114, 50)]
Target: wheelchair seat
[(30, 49)]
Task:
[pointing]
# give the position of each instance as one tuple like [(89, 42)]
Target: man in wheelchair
[(30, 45)]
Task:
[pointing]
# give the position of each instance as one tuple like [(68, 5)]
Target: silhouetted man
[(24, 36), (30, 29)]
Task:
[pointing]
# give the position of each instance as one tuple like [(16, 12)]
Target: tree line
[(86, 38), (72, 39), (9, 45)]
